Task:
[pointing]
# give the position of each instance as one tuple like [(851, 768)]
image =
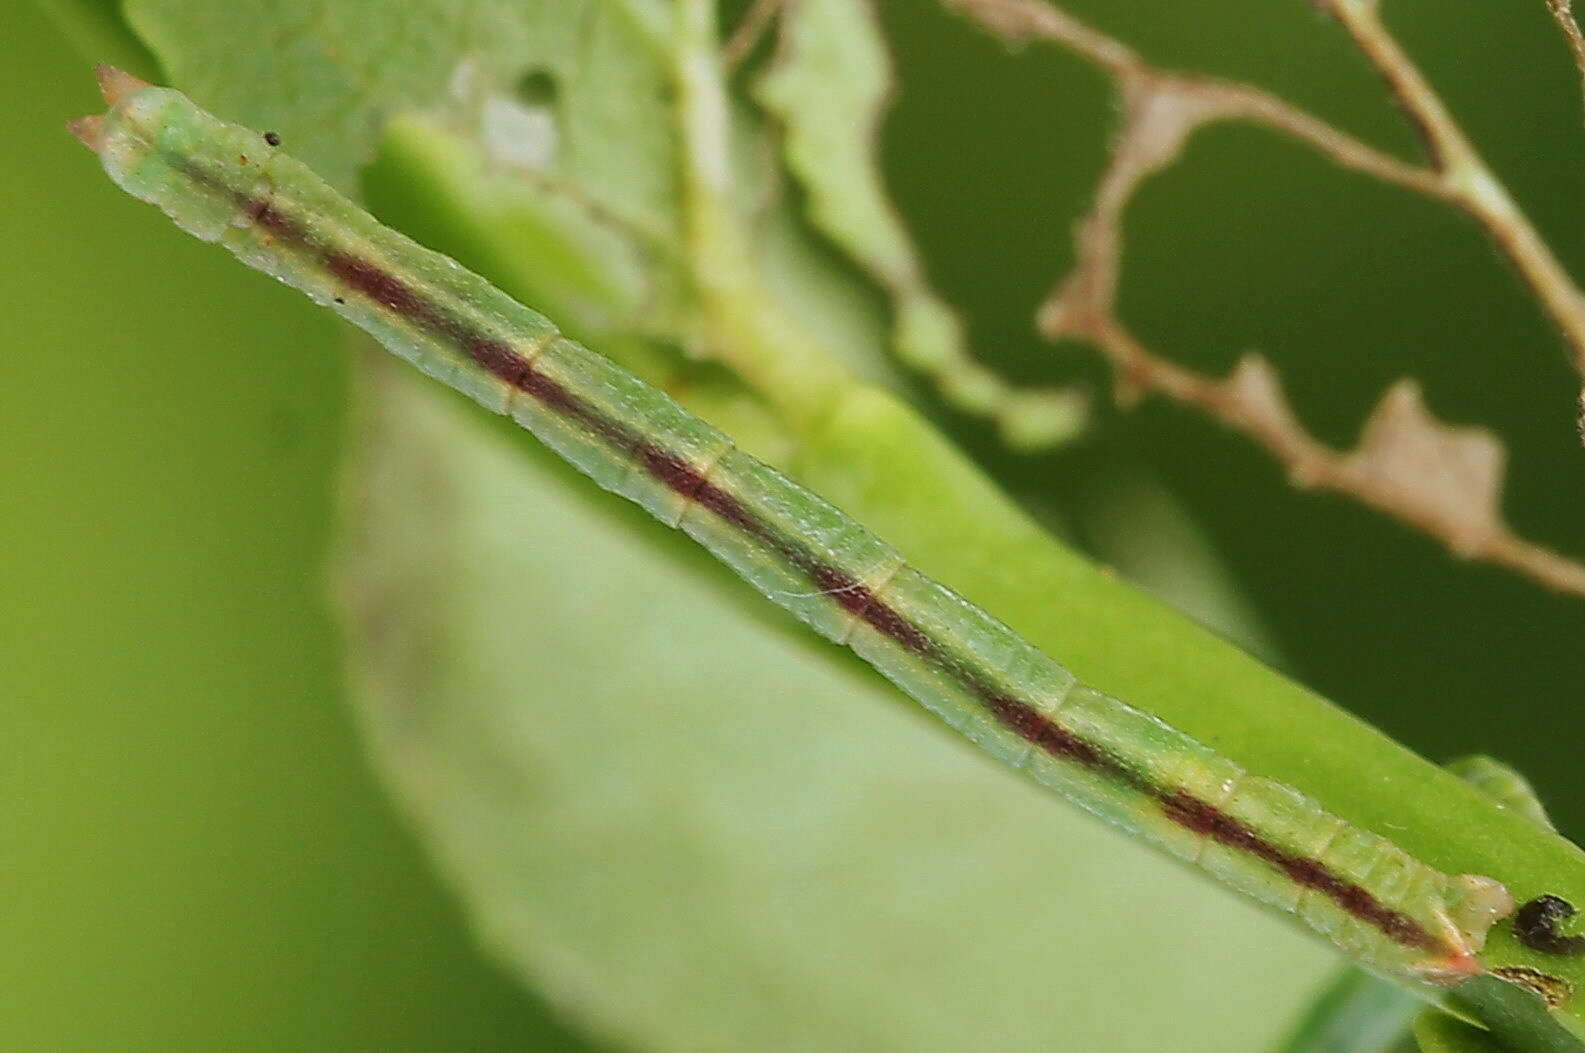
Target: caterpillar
[(228, 184)]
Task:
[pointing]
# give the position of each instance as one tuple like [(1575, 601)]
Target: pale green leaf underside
[(1356, 1012), (710, 836)]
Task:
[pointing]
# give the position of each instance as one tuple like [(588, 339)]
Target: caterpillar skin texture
[(227, 184)]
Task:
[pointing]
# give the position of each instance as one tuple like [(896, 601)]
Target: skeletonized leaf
[(1257, 390), (829, 87), (1452, 474)]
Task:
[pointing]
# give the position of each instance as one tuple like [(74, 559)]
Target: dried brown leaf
[(1443, 480), (1255, 393), (1450, 475)]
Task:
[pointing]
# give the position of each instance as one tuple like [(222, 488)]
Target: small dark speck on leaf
[(340, 300), (1537, 924), (273, 138)]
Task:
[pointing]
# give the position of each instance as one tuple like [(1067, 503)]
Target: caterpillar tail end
[(116, 84)]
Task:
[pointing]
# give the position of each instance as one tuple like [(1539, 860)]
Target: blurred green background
[(195, 853)]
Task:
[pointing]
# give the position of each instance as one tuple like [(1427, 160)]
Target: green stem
[(743, 324)]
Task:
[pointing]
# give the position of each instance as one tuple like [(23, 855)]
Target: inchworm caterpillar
[(225, 183)]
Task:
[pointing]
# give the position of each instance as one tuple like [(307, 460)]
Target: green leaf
[(1356, 1013), (1510, 1018), (828, 88), (1506, 787), (692, 829), (328, 76), (1516, 1018), (1439, 1033)]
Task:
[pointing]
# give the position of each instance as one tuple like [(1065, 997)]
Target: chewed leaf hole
[(519, 126), (536, 87)]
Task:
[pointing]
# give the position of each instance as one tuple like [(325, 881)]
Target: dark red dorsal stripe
[(501, 360)]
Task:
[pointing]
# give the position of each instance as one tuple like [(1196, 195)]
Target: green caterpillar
[(228, 184)]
